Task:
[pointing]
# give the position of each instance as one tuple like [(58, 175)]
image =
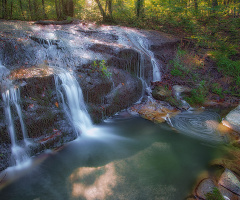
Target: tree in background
[(107, 13), (139, 8)]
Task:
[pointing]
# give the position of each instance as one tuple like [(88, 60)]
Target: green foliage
[(214, 195), (198, 95), (102, 68), (217, 89), (178, 68), (228, 67)]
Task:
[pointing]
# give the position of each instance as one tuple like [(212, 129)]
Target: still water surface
[(125, 159)]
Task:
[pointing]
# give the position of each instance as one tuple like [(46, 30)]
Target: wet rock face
[(106, 96), (74, 46)]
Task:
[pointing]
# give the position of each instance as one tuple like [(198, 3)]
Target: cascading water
[(71, 97), (11, 98), (19, 154), (68, 89), (141, 44)]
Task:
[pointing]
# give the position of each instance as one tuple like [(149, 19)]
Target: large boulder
[(232, 119)]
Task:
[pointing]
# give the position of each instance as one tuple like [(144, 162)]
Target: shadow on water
[(120, 159)]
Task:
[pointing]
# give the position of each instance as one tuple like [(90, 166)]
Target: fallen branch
[(47, 22)]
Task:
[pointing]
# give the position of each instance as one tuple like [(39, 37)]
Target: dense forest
[(118, 10), (210, 27)]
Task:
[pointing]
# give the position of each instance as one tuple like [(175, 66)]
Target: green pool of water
[(127, 159)]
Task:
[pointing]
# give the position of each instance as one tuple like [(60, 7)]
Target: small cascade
[(70, 94), (141, 44), (178, 90), (19, 153)]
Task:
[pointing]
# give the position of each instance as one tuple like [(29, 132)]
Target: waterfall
[(70, 94), (141, 44), (11, 97), (68, 90)]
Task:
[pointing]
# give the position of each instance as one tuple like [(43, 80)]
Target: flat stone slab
[(206, 186), (230, 181)]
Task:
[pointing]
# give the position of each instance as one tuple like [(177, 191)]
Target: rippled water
[(122, 158), (199, 124)]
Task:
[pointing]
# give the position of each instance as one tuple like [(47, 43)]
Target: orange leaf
[(56, 104)]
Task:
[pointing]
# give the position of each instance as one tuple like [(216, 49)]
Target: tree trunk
[(214, 5), (101, 10), (196, 6), (11, 10), (20, 3), (30, 9), (139, 8), (35, 7), (57, 9), (44, 11), (70, 8), (5, 9), (109, 5)]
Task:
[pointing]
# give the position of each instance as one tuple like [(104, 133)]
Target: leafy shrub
[(217, 89), (198, 95), (102, 68), (214, 195)]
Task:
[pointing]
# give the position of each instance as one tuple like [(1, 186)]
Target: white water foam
[(70, 94), (141, 44), (19, 153)]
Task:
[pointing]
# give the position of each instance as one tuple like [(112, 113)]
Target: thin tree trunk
[(139, 8), (20, 3), (196, 6), (214, 5), (64, 4), (35, 7), (5, 9), (30, 9), (109, 3), (60, 10), (57, 9), (44, 11), (101, 10), (70, 8), (11, 10)]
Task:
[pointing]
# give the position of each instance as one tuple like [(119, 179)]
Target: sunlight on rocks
[(41, 71), (220, 127), (93, 183), (154, 112)]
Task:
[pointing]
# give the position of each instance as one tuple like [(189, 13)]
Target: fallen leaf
[(56, 104)]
